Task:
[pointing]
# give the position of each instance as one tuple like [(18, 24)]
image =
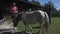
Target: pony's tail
[(46, 22)]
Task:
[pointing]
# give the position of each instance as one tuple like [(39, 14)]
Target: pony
[(34, 17)]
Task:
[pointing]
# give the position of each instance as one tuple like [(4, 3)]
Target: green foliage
[(52, 7), (58, 13), (36, 2)]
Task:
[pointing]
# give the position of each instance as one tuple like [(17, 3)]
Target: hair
[(13, 3)]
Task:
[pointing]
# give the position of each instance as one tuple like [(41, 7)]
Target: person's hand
[(4, 18)]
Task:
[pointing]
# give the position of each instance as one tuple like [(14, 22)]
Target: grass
[(55, 26), (53, 29)]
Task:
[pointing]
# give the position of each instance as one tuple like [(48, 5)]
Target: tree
[(36, 3), (50, 6), (58, 13)]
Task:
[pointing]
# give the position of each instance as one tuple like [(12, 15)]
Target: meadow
[(54, 28)]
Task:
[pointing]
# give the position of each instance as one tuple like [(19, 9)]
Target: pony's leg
[(41, 31), (42, 26), (26, 25), (28, 29), (41, 22)]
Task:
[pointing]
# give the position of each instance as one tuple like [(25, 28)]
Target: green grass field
[(53, 29), (55, 26)]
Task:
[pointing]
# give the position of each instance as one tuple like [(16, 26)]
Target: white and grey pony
[(34, 17)]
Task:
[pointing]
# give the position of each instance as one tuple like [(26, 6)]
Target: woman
[(14, 12)]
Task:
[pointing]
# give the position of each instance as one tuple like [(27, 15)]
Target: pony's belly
[(31, 20)]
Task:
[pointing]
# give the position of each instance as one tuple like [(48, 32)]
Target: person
[(14, 13), (49, 12), (14, 9)]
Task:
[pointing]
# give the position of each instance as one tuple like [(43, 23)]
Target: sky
[(56, 3)]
